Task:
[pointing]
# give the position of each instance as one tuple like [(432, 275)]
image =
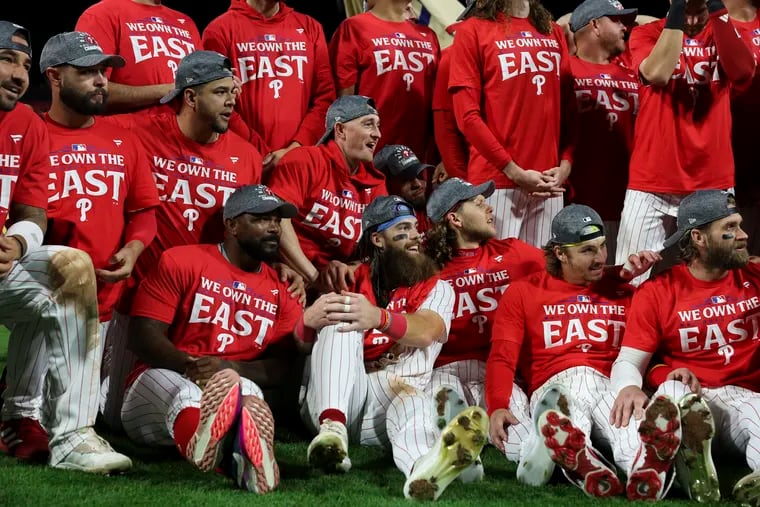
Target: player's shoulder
[(533, 281), (665, 281), (649, 29), (187, 255), (21, 118), (301, 19)]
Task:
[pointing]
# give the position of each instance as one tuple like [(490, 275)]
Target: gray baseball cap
[(701, 208), (385, 211), (467, 10), (595, 9), (257, 200), (575, 224), (453, 191), (8, 30), (399, 161), (345, 109), (199, 67), (79, 49)]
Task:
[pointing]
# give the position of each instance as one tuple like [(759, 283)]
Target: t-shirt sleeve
[(32, 184), (290, 179), (141, 190), (465, 59), (642, 41), (642, 330), (532, 259), (214, 39), (104, 28), (344, 55), (441, 301), (290, 312), (160, 294)]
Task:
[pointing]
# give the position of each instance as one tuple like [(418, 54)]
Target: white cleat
[(447, 405), (695, 470), (747, 490), (94, 455), (329, 449)]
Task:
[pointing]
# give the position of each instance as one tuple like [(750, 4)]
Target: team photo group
[(540, 237)]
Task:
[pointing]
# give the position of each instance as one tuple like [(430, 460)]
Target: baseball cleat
[(94, 455), (473, 473), (328, 451), (747, 490), (25, 439), (447, 405), (660, 432), (253, 464), (694, 464), (220, 406), (457, 448), (536, 466), (581, 464)]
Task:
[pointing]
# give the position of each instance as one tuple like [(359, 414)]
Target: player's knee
[(72, 276)]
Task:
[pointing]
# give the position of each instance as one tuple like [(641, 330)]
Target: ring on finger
[(346, 308)]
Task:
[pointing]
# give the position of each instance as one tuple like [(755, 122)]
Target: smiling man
[(330, 184)]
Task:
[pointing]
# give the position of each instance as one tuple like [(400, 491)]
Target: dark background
[(47, 20)]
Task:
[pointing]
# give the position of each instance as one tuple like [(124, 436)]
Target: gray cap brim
[(674, 238), (114, 61), (466, 11), (486, 189), (170, 96), (325, 137), (412, 172), (628, 17), (287, 210)]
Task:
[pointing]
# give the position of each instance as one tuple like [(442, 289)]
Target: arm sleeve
[(141, 187), (322, 93), (451, 144), (569, 110), (141, 226), (290, 313), (628, 368), (34, 177), (160, 294), (734, 56), (506, 342), (344, 55)]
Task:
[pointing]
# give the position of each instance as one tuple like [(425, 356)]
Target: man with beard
[(688, 64), (406, 177), (607, 96), (385, 335), (101, 193), (198, 322), (560, 331), (479, 268), (701, 318)]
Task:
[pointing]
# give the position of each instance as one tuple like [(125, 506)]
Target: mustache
[(271, 237)]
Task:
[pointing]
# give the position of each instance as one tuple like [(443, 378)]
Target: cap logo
[(692, 220), (586, 220), (616, 4)]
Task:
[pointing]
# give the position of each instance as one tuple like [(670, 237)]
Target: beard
[(83, 103), (398, 268), (266, 249), (726, 257)]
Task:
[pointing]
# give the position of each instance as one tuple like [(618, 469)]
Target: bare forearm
[(147, 339), (293, 255), (125, 98), (659, 66), (423, 329)]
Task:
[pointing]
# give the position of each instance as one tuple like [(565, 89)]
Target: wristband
[(714, 6), (676, 18), (397, 326), (31, 233), (385, 320)]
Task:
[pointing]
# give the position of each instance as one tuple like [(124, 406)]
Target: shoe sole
[(537, 466), (116, 468), (747, 490), (219, 410), (460, 445), (447, 404), (326, 453), (581, 465), (260, 472), (694, 464), (660, 433)]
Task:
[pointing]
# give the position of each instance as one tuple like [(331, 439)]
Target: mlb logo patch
[(347, 194), (399, 35), (470, 271), (270, 37), (691, 42), (526, 34), (756, 31), (605, 76), (239, 285), (79, 147), (718, 299), (196, 160), (156, 19), (583, 299)]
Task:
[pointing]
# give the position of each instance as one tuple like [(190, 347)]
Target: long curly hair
[(539, 15), (440, 242)]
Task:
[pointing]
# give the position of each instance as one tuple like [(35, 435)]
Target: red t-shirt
[(215, 308), (608, 100), (330, 200), (479, 277), (545, 325), (745, 109), (450, 142), (711, 328), (285, 69), (151, 38), (395, 64), (24, 163), (98, 175), (520, 76), (682, 140), (194, 181)]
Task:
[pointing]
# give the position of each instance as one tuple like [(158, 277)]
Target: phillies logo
[(480, 320), (276, 85), (408, 79), (83, 205), (612, 119), (539, 81), (191, 215), (727, 351)]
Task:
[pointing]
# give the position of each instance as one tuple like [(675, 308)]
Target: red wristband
[(397, 327)]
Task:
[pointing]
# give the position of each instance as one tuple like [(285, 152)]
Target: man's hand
[(354, 310), (630, 401), (273, 158), (336, 277), (533, 182), (10, 251), (120, 265), (439, 175), (297, 287), (687, 377), (501, 419), (200, 370), (638, 264), (315, 316)]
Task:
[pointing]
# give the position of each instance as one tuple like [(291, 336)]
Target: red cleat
[(25, 439)]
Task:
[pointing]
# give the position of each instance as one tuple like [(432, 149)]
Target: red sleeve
[(241, 128), (344, 55), (141, 226), (214, 39), (142, 192), (642, 329), (160, 294), (656, 375), (102, 26), (569, 114), (290, 179), (532, 259), (289, 313), (34, 177), (322, 93), (451, 143), (506, 342), (642, 41), (734, 56)]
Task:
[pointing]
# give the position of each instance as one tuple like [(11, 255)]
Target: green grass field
[(161, 477)]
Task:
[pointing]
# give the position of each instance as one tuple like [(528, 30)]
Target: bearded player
[(560, 330), (47, 294), (479, 268), (701, 318), (689, 63), (392, 326), (199, 321)]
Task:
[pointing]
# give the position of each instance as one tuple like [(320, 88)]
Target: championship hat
[(345, 109), (79, 49), (8, 30), (386, 211), (256, 200), (701, 208), (199, 67), (575, 224), (590, 10), (399, 161), (453, 191)]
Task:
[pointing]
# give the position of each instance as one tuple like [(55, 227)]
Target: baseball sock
[(184, 427), (334, 415)]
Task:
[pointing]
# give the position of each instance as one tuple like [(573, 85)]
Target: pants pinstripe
[(518, 215)]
